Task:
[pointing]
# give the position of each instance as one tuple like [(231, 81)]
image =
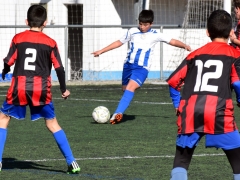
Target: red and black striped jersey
[(33, 54), (207, 74)]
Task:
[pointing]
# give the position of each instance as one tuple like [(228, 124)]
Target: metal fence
[(77, 42)]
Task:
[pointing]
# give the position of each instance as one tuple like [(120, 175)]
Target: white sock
[(179, 173), (236, 176)]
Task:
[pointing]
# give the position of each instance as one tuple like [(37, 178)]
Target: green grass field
[(141, 147)]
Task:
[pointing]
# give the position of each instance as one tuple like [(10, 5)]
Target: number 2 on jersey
[(32, 59), (202, 80)]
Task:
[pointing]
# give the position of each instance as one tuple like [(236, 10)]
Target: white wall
[(95, 12), (15, 13)]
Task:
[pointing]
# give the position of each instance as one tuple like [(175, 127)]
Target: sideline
[(118, 157)]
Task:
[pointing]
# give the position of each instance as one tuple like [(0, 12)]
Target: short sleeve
[(164, 38), (126, 37)]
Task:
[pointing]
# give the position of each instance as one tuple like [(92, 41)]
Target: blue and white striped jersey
[(141, 45)]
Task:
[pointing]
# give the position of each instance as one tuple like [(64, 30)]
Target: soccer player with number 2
[(33, 54), (206, 108)]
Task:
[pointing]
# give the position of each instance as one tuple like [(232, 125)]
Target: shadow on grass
[(125, 118), (12, 163), (133, 117)]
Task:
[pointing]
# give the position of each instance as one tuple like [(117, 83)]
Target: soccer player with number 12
[(206, 108)]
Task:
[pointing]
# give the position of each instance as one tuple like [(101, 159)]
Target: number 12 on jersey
[(202, 79)]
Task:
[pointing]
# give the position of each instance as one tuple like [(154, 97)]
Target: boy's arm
[(114, 45), (177, 43), (234, 40), (236, 87), (10, 59), (176, 97), (57, 63), (235, 79), (61, 78), (175, 82)]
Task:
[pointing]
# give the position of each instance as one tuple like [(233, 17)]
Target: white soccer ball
[(101, 114)]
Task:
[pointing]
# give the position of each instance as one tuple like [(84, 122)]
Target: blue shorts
[(134, 72), (225, 141), (19, 111)]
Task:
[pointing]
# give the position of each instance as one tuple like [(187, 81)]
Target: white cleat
[(116, 118)]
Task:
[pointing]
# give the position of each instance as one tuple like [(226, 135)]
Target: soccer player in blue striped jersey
[(142, 41)]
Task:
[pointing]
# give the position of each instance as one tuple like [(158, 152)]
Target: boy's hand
[(177, 112), (233, 36), (96, 53), (188, 48), (4, 72), (66, 94)]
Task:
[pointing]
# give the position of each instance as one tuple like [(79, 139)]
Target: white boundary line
[(117, 157), (101, 100), (124, 157)]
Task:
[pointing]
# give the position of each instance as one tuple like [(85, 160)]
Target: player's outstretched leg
[(62, 142), (4, 121), (3, 136), (122, 106)]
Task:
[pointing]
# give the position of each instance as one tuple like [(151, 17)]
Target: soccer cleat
[(116, 118), (73, 168)]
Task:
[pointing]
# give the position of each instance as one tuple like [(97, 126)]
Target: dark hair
[(36, 15), (146, 16), (219, 24), (236, 3)]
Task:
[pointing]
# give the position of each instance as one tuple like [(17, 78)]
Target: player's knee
[(123, 88), (183, 157), (52, 125), (4, 120)]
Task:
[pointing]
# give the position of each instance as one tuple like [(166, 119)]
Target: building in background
[(77, 42)]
